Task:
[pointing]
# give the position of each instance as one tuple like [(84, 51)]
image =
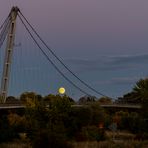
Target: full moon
[(62, 90)]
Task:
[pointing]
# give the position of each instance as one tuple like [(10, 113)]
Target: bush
[(8, 132), (91, 133), (52, 140)]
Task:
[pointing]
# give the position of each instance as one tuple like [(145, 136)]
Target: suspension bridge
[(8, 31)]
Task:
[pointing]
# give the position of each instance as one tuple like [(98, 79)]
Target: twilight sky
[(105, 42)]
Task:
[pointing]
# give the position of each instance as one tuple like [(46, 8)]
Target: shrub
[(52, 140), (91, 133)]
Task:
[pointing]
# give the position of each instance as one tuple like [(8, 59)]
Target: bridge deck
[(15, 106)]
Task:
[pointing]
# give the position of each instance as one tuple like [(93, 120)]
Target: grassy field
[(15, 145), (112, 144), (114, 140)]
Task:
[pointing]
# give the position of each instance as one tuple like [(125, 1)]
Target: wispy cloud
[(124, 80), (131, 58), (117, 81), (109, 63)]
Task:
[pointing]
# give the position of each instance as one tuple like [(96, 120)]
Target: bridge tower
[(8, 54)]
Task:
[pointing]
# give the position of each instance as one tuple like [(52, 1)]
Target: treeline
[(56, 120), (52, 120)]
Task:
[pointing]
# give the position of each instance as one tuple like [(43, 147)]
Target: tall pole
[(8, 53)]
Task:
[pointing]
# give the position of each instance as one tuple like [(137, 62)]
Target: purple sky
[(106, 26), (100, 32)]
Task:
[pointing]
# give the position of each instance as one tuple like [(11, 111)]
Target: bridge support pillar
[(8, 54)]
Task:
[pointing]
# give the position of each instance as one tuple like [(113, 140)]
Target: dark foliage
[(7, 132)]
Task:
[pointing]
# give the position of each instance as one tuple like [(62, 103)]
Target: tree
[(98, 114), (87, 99), (47, 119), (138, 95), (30, 98), (105, 100), (141, 90), (8, 132)]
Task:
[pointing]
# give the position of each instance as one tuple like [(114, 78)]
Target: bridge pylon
[(8, 54)]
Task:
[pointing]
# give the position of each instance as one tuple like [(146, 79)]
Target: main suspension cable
[(4, 22), (4, 31), (49, 60), (59, 59)]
